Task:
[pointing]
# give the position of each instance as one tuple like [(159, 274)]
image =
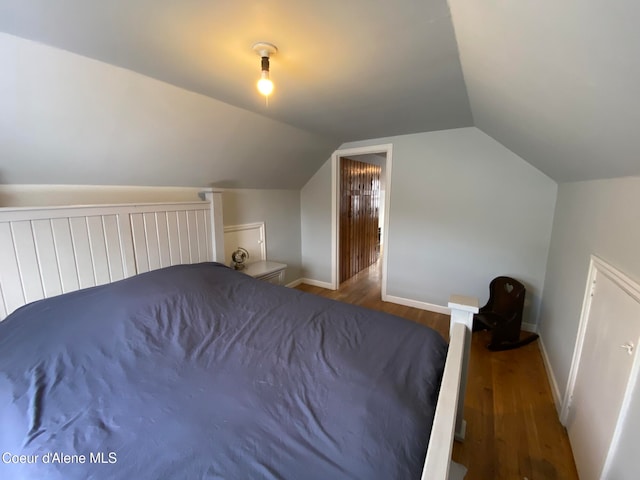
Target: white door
[(603, 373)]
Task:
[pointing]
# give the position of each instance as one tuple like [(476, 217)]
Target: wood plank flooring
[(513, 431)]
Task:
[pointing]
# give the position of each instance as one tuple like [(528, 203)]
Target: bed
[(129, 352)]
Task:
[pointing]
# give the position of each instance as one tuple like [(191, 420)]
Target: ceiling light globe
[(265, 86)]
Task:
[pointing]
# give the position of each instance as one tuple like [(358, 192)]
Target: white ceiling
[(556, 82)]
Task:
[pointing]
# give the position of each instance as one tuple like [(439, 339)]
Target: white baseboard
[(431, 307), (555, 391), (529, 327), (315, 283), (295, 283)]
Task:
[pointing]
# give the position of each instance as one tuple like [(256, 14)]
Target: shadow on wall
[(4, 197), (225, 184), (532, 301)]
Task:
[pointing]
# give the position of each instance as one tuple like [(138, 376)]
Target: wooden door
[(608, 352), (359, 213)]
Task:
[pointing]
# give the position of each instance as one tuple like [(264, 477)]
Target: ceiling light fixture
[(265, 50)]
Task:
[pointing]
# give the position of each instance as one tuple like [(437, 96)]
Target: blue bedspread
[(198, 371)]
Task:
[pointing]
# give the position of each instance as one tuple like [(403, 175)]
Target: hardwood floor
[(513, 431)]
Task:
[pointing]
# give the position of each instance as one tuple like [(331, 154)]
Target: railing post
[(217, 226), (462, 311)]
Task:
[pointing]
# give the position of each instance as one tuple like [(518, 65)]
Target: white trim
[(18, 214), (555, 390), (407, 302), (448, 422), (463, 308), (244, 226), (104, 243), (438, 459), (295, 283), (259, 226), (577, 350), (529, 327), (598, 266), (316, 283), (214, 197), (335, 204), (335, 191)]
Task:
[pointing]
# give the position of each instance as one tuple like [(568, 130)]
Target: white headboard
[(49, 251)]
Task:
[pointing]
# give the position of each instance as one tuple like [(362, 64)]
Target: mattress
[(199, 371)]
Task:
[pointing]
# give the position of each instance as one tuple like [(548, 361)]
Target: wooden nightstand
[(271, 272)]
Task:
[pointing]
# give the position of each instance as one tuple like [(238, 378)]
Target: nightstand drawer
[(276, 278)]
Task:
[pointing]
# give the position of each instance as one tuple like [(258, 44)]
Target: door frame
[(597, 266), (335, 209)]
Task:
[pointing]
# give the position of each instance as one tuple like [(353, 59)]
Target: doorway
[(380, 155), (360, 229)]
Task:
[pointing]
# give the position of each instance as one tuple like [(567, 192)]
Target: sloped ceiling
[(66, 119), (557, 83)]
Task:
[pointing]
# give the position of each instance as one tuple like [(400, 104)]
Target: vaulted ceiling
[(556, 82)]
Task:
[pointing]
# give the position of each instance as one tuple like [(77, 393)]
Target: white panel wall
[(51, 251), (157, 248), (250, 236), (42, 258), (13, 295)]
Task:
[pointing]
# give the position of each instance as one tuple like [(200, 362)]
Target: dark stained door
[(359, 213)]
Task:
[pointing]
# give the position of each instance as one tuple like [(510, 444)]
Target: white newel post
[(217, 226), (462, 310)]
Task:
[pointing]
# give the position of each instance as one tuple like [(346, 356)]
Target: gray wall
[(463, 209), (315, 205), (315, 201), (600, 218), (280, 210)]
